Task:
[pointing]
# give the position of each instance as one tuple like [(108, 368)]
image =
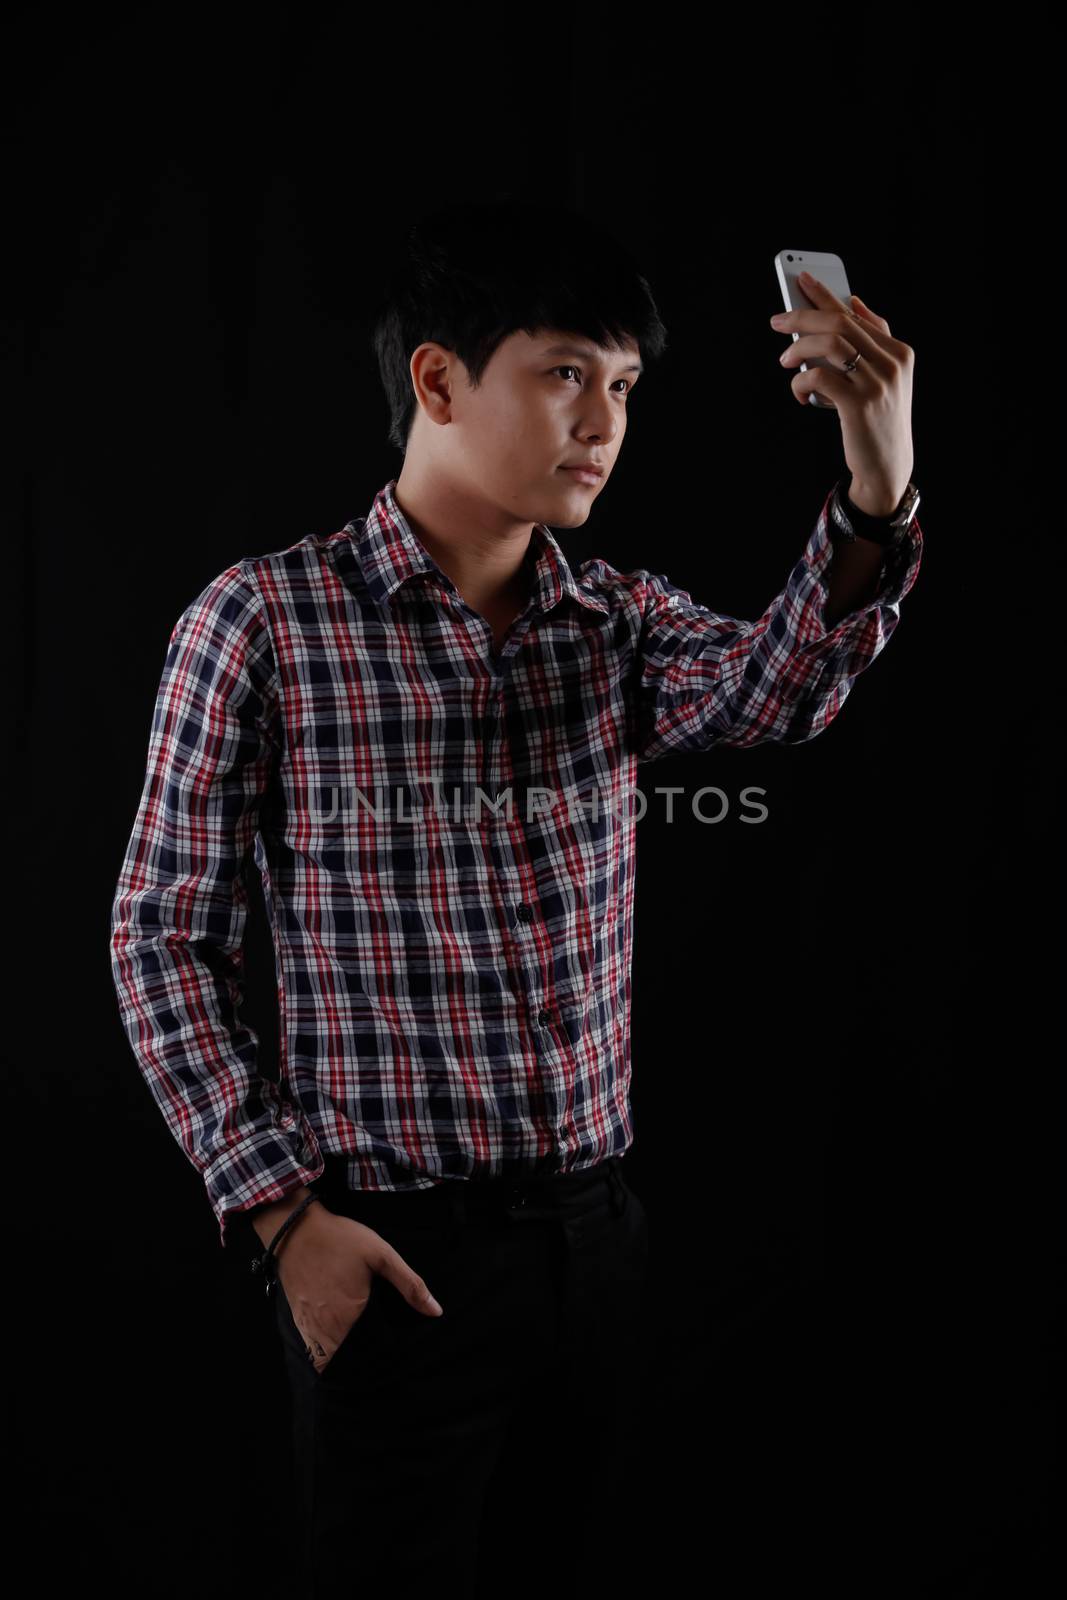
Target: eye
[(568, 368)]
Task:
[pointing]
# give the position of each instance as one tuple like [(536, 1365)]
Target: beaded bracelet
[(267, 1262)]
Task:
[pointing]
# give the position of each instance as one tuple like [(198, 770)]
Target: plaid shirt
[(445, 840)]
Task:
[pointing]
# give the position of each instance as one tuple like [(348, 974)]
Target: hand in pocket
[(326, 1269)]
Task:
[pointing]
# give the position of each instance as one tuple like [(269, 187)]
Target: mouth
[(584, 475)]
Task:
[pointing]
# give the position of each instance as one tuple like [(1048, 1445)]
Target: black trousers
[(482, 1452)]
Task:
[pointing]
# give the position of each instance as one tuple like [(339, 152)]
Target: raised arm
[(705, 679)]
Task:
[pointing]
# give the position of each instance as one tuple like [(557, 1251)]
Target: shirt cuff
[(900, 568), (263, 1166)]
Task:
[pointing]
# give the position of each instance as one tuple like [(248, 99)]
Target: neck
[(482, 552)]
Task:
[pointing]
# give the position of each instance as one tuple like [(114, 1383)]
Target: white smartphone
[(829, 269)]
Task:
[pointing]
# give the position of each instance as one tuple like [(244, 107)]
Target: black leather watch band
[(879, 530)]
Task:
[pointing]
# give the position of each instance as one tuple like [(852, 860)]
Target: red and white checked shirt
[(453, 964)]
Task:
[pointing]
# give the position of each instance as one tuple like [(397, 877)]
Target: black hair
[(470, 274)]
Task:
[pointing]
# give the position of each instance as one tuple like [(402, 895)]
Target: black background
[(841, 1061)]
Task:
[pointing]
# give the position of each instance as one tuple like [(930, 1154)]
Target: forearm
[(854, 577), (856, 568)]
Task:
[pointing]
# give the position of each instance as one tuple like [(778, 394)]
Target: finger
[(414, 1289), (867, 328), (828, 382), (836, 349), (421, 1298), (317, 1354), (864, 308), (853, 339), (819, 293)]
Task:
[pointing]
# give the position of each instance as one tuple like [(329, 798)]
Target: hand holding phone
[(829, 269)]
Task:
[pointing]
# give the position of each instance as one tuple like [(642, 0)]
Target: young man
[(424, 727)]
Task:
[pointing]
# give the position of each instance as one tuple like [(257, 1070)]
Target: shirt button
[(524, 912), (546, 1015)]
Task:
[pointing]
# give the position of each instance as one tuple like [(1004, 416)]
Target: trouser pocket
[(357, 1333)]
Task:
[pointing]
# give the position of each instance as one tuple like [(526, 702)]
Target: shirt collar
[(391, 554)]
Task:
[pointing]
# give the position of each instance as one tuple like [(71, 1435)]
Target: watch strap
[(849, 522)]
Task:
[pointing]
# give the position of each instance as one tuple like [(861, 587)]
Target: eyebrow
[(587, 353)]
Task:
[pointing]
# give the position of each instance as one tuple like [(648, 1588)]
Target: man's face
[(542, 402)]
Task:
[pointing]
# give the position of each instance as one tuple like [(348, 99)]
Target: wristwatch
[(849, 521)]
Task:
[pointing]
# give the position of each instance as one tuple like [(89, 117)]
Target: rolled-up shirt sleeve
[(179, 909), (704, 679)]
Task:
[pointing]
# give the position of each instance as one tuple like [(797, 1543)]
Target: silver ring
[(850, 366)]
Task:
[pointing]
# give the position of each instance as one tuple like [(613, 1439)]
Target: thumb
[(425, 1299), (414, 1289)]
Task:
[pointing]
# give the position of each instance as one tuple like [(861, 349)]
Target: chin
[(572, 517)]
